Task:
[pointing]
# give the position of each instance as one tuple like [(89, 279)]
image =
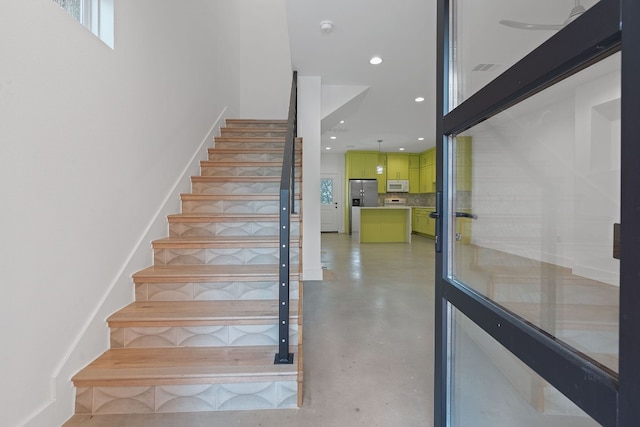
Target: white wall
[(309, 117), (265, 60), (94, 143), (546, 176)]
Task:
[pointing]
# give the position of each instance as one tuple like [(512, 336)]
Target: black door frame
[(610, 398)]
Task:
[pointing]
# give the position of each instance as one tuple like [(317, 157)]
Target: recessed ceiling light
[(421, 139), (341, 121), (332, 137), (419, 99), (376, 60), (327, 148), (401, 149)]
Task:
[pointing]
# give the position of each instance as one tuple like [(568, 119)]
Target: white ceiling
[(403, 33)]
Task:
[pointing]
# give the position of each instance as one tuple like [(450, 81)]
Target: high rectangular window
[(96, 15)]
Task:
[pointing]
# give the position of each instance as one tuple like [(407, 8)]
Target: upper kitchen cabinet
[(428, 171), (428, 157), (361, 164), (381, 172), (397, 166), (414, 173), (414, 161)]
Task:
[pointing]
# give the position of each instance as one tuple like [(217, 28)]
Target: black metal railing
[(287, 207)]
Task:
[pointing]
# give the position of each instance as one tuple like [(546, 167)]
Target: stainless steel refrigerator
[(362, 193)]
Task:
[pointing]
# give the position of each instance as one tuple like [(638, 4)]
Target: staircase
[(202, 333)]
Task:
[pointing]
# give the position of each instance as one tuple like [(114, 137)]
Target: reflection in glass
[(543, 179), (491, 387), (490, 36)]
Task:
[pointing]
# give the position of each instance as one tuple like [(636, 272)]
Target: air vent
[(486, 67)]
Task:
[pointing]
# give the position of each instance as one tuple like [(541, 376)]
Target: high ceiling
[(403, 33)]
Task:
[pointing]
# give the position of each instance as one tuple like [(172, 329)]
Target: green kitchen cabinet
[(413, 219), (422, 223), (414, 173), (428, 179), (423, 159), (397, 166), (384, 225), (419, 220), (414, 161), (381, 175), (427, 171), (424, 178), (361, 164), (428, 157), (414, 181), (431, 223)]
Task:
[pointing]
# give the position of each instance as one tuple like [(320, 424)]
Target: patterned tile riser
[(214, 291), (247, 157), (230, 229), (250, 124), (242, 144), (187, 398), (239, 187), (244, 171), (217, 256), (200, 336), (258, 134), (236, 207)]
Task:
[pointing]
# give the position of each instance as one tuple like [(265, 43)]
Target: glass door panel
[(536, 196), (492, 35), (492, 387)]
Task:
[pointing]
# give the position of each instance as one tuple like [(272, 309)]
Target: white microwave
[(397, 186)]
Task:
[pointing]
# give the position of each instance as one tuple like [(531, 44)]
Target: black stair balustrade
[(287, 205)]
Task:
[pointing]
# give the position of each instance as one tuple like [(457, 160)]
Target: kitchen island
[(385, 224)]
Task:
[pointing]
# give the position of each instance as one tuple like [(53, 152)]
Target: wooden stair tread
[(209, 217), (239, 150), (253, 139), (221, 163), (205, 273), (254, 129), (205, 241), (198, 313), (183, 365), (282, 122), (233, 178)]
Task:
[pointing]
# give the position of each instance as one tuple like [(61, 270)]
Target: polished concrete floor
[(368, 331), (368, 334)]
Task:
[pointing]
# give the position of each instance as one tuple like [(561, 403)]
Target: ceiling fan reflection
[(577, 10)]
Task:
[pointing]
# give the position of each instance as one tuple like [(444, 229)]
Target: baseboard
[(93, 338), (312, 274)]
